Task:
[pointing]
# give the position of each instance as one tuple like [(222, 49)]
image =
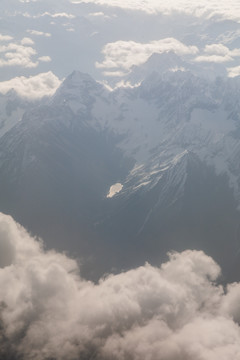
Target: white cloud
[(53, 15), (175, 311), (177, 68), (99, 15), (34, 87), (207, 8), (27, 41), (61, 15), (45, 58), (5, 37), (125, 54), (38, 33), (213, 58), (120, 84), (233, 71), (219, 49), (18, 54), (218, 53), (126, 84), (115, 73)]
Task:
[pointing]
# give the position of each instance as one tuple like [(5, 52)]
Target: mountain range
[(170, 143)]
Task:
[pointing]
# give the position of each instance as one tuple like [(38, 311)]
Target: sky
[(109, 39)]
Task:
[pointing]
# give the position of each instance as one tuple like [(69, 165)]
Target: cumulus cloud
[(218, 53), (176, 311), (125, 54), (18, 54), (27, 41), (5, 37), (204, 8), (45, 58), (33, 87), (233, 71), (219, 49)]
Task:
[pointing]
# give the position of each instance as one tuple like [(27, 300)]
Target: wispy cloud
[(123, 55), (59, 15), (214, 58), (52, 15), (176, 311), (99, 15), (33, 87), (45, 58), (38, 33), (206, 8)]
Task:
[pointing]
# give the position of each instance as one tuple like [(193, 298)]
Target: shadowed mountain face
[(56, 175), (173, 216), (173, 143)]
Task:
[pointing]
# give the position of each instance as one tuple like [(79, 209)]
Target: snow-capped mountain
[(164, 117), (172, 143)]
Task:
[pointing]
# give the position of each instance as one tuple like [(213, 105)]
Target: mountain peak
[(78, 80), (79, 88), (78, 77)]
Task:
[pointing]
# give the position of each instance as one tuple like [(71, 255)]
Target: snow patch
[(114, 189)]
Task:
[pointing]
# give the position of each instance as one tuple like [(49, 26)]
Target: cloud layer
[(210, 8), (33, 87), (175, 311)]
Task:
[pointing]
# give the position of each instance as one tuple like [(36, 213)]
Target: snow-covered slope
[(177, 112), (12, 109), (165, 116), (172, 146)]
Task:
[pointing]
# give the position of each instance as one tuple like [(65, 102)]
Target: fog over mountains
[(48, 311)]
